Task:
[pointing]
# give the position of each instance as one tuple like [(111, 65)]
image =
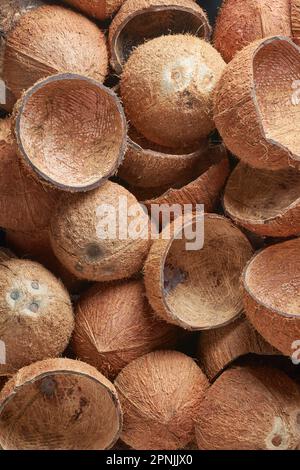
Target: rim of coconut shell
[(270, 308), (20, 108), (11, 393), (123, 18)]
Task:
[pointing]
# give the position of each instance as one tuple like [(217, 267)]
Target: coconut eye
[(35, 285), (33, 307), (94, 251), (15, 295), (277, 440)]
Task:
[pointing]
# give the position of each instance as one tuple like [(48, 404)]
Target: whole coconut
[(100, 9)]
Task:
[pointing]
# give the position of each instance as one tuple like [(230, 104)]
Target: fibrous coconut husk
[(295, 20)]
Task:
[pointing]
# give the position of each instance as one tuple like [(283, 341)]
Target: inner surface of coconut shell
[(72, 131)]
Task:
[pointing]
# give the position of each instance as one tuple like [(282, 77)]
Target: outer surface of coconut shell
[(166, 88), (250, 408), (160, 395), (141, 20), (36, 318), (59, 404), (295, 20), (257, 126), (100, 9), (272, 294), (115, 325), (241, 22)]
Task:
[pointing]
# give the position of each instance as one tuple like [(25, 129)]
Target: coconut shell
[(258, 126), (160, 394), (59, 404), (264, 202), (295, 20), (24, 203), (139, 21), (57, 142), (99, 9), (36, 318), (240, 22), (250, 408), (218, 348), (272, 302), (90, 252), (167, 86), (197, 288), (49, 40), (115, 325)]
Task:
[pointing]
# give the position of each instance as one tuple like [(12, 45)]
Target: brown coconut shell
[(139, 21), (272, 301), (36, 317), (24, 203), (76, 242), (115, 325), (167, 86), (258, 126), (160, 394), (250, 408), (100, 9), (59, 404), (264, 202), (198, 288), (240, 22), (219, 348), (295, 20), (57, 141), (47, 40)]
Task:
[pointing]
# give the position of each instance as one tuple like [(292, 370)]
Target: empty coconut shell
[(100, 9), (59, 404), (265, 202), (141, 20), (36, 317), (160, 395), (95, 239), (272, 294), (50, 39), (250, 408), (167, 86), (218, 348), (71, 130), (115, 325), (241, 22), (194, 287), (260, 125)]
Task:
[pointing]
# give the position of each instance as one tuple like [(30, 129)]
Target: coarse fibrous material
[(100, 9)]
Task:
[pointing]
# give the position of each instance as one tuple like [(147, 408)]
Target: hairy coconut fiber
[(241, 22), (100, 9), (263, 201), (95, 239), (24, 203), (59, 404), (160, 395), (250, 408), (36, 317), (115, 325), (148, 165), (295, 20), (167, 86), (193, 287), (218, 348), (141, 20), (71, 130), (272, 294), (257, 104), (48, 40)]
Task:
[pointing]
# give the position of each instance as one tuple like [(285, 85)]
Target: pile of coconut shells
[(111, 339)]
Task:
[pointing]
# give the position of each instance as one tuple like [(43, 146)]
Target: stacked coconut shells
[(150, 201)]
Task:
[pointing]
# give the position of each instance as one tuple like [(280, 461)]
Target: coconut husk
[(295, 20), (98, 9)]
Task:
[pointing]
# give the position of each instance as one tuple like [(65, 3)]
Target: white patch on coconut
[(2, 352), (278, 437)]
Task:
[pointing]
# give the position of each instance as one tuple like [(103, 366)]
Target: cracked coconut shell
[(272, 294), (141, 20), (99, 9), (250, 408), (160, 395), (43, 40), (115, 325), (36, 317), (93, 237), (192, 286), (263, 201), (59, 404), (241, 22), (256, 105), (71, 131), (167, 89)]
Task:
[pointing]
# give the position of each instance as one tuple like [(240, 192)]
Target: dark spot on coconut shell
[(15, 295), (48, 387), (79, 267), (172, 277), (276, 441), (34, 307), (94, 251), (82, 404), (35, 285)]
